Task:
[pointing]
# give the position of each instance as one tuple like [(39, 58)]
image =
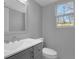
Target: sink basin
[(12, 46)]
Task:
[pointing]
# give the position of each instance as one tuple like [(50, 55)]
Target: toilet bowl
[(49, 53)]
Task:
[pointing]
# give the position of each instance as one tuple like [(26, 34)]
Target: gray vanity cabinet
[(34, 52), (25, 54)]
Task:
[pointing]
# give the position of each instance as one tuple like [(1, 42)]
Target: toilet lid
[(49, 51)]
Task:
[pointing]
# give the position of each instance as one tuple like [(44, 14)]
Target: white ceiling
[(15, 4), (45, 2)]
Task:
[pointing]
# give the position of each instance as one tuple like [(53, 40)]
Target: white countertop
[(25, 45)]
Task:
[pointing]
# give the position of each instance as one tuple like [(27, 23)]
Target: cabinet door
[(38, 56), (26, 54), (38, 51)]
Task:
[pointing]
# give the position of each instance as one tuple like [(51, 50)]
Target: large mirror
[(15, 16)]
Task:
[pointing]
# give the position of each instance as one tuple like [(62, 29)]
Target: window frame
[(68, 14)]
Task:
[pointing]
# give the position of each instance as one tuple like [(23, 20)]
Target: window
[(65, 14)]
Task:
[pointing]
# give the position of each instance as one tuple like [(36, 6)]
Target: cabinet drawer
[(38, 49)]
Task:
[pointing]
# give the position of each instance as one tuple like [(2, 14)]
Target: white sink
[(12, 46)]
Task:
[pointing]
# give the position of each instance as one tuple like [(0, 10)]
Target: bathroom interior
[(39, 29)]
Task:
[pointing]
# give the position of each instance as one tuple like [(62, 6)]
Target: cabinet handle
[(32, 56), (39, 49), (32, 52)]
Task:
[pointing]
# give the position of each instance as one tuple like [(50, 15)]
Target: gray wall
[(34, 24), (34, 19), (6, 19), (60, 39)]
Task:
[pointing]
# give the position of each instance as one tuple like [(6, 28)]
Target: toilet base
[(49, 58)]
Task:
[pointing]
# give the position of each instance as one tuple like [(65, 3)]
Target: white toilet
[(49, 53)]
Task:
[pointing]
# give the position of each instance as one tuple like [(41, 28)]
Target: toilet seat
[(50, 52)]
